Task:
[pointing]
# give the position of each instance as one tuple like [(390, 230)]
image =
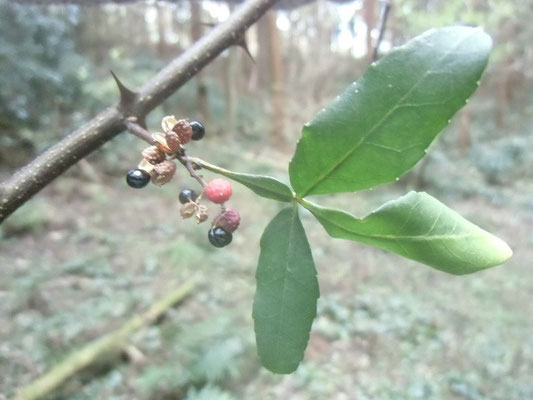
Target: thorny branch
[(134, 106)]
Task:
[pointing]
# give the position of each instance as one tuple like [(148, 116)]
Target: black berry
[(187, 195), (219, 237), (137, 178), (198, 130)]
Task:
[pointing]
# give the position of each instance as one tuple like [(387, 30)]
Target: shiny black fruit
[(198, 130), (187, 195), (137, 178), (219, 237)]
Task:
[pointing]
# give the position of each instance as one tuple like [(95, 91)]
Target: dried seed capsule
[(153, 155), (146, 166), (173, 141), (161, 142), (168, 122), (183, 130), (201, 214), (163, 172), (187, 210)]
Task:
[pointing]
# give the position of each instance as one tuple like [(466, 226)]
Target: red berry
[(218, 190)]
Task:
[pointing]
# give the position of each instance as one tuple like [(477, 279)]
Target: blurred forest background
[(88, 252)]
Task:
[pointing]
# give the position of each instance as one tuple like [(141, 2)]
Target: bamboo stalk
[(101, 347)]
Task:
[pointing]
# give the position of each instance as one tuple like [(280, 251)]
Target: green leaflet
[(264, 186), (380, 127), (419, 227), (287, 292)]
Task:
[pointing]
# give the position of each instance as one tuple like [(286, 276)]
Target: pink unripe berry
[(218, 190)]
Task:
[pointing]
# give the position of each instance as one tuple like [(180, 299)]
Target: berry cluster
[(158, 166), (225, 223)]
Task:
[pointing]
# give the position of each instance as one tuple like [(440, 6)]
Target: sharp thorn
[(127, 96), (242, 44)]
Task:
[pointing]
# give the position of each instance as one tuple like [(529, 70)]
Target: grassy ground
[(81, 258)]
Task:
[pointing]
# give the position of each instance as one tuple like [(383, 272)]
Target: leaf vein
[(382, 120), (435, 222), (284, 290), (409, 216), (392, 148)]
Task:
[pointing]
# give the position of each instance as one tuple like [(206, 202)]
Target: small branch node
[(134, 127), (182, 158)]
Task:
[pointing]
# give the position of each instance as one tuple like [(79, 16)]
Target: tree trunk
[(277, 82), (263, 53), (201, 88), (369, 15), (465, 122), (161, 40), (230, 72)]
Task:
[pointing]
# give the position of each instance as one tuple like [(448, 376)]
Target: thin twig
[(56, 160), (198, 163), (187, 163), (139, 131), (385, 9)]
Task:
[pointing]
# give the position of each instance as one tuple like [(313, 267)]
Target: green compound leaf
[(287, 292), (264, 186), (419, 227), (380, 127)]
